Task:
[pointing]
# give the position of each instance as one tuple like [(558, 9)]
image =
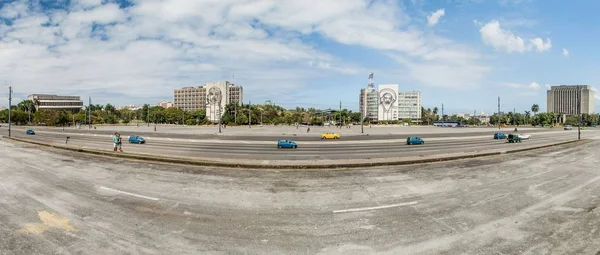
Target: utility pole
[(362, 117), (340, 114), (148, 116), (443, 119), (579, 113), (499, 115), (220, 119), (235, 112), (9, 110), (250, 114), (90, 113)]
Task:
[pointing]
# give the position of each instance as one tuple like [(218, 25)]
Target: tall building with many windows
[(369, 104), (409, 105), (565, 99), (213, 97)]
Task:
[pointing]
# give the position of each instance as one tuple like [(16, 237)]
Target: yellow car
[(330, 136)]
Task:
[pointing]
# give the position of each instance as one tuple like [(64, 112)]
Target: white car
[(524, 137)]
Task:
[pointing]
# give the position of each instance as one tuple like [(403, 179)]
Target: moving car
[(414, 140), (30, 132), (499, 136), (512, 138), (568, 127), (330, 136), (136, 139), (286, 144), (524, 137)]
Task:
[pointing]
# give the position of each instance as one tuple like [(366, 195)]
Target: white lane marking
[(375, 207), (127, 193), (170, 139), (35, 167)]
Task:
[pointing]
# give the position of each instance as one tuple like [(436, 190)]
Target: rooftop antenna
[(371, 81)]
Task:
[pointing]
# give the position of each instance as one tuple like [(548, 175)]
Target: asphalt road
[(540, 202), (315, 150), (296, 135)]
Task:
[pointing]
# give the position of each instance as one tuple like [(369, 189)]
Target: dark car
[(499, 136), (286, 144), (414, 140), (136, 139), (30, 132)]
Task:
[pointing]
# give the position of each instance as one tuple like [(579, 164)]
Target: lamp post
[(9, 110), (578, 113)]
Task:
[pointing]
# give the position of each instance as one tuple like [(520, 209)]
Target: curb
[(205, 162)]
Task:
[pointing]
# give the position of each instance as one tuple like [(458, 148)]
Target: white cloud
[(148, 49), (548, 86), (540, 45), (434, 17), (532, 86), (565, 52), (501, 39)]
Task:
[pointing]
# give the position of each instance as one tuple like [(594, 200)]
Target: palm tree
[(535, 108), (527, 114)]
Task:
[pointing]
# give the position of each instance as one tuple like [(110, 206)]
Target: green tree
[(535, 108)]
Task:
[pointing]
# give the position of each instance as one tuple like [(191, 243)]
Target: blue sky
[(309, 53)]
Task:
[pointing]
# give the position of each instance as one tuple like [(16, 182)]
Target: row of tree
[(25, 112)]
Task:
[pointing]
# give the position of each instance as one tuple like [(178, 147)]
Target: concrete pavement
[(539, 202)]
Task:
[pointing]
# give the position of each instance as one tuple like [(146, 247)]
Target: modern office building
[(388, 102), (564, 99), (369, 104), (409, 106), (213, 97), (45, 101), (190, 98)]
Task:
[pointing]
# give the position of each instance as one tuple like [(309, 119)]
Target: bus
[(447, 123)]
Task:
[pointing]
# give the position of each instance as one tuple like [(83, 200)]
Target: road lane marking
[(375, 207), (127, 193)]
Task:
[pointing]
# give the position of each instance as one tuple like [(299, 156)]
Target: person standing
[(120, 143), (115, 141)]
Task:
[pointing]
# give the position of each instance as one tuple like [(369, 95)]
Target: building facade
[(409, 106), (45, 101), (213, 97), (190, 98), (165, 104), (565, 99), (388, 102), (369, 104)]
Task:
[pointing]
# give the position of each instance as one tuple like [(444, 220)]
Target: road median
[(293, 164)]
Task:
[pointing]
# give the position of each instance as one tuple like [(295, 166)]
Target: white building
[(369, 104), (218, 95), (409, 105), (388, 102), (165, 104), (45, 101)]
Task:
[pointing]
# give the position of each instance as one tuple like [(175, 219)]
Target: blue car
[(414, 140), (286, 144), (499, 136), (30, 132), (136, 139)]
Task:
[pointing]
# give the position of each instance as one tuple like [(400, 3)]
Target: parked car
[(414, 140), (330, 136), (499, 136), (286, 144), (136, 139), (568, 127), (524, 137), (512, 138), (30, 132)]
